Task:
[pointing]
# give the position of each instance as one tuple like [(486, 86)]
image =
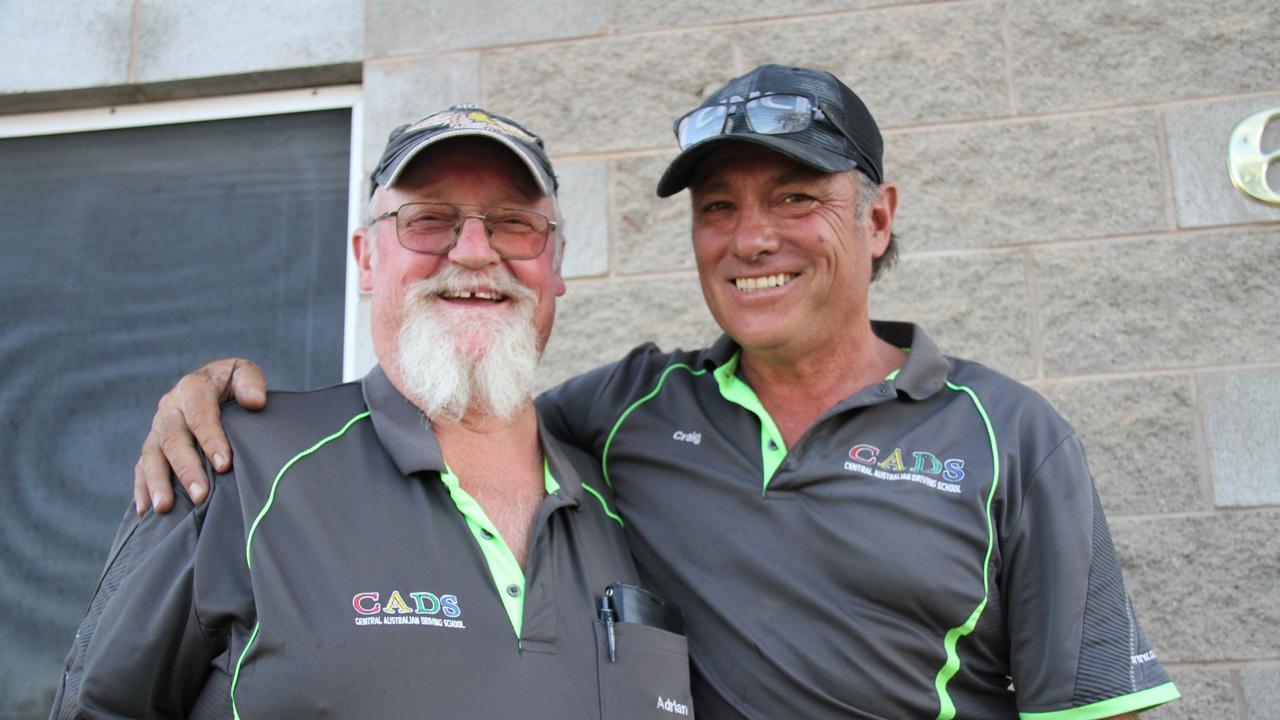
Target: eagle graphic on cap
[(473, 118)]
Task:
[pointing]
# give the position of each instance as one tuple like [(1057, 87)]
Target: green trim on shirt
[(947, 709), (503, 567), (248, 542), (773, 449), (616, 518), (657, 388), (1110, 708)]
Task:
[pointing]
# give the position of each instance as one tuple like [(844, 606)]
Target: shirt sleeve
[(144, 648), (1077, 651)]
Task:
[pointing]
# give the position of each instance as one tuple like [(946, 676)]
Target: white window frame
[(225, 107)]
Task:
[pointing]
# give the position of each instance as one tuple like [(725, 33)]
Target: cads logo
[(917, 466), (425, 609)]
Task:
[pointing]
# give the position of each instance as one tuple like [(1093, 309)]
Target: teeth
[(467, 295), (753, 284)]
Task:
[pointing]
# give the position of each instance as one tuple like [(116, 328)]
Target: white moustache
[(494, 281)]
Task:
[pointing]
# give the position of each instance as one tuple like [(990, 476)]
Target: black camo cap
[(821, 145), (406, 141)]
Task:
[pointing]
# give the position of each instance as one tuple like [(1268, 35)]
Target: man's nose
[(755, 235), (472, 248)]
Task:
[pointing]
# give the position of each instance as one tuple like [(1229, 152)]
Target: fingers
[(189, 414), (248, 384), (151, 478), (200, 395), (169, 445)]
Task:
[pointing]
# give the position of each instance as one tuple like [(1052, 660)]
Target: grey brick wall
[(1066, 214)]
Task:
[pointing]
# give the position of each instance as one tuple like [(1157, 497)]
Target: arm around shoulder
[(583, 409)]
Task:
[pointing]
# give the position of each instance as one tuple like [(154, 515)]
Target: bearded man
[(410, 544)]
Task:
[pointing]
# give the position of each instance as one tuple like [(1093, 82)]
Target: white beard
[(453, 361)]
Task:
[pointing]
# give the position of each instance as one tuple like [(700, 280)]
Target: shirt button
[(486, 534), (513, 590), (773, 445)]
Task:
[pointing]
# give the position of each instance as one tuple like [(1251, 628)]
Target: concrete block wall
[(1066, 215)]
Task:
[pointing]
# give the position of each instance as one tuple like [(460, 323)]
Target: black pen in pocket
[(608, 615)]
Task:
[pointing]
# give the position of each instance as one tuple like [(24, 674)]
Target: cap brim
[(680, 172), (545, 182)]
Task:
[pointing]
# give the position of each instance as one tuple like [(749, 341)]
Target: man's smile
[(754, 284), (488, 296)]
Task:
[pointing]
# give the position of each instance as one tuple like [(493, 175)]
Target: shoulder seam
[(1030, 485)]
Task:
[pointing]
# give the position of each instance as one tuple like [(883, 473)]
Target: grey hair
[(371, 212), (868, 193)]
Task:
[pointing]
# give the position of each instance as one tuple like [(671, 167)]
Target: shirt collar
[(924, 373), (401, 427), (407, 436)]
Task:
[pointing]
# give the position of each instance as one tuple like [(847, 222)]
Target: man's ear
[(363, 250), (556, 269), (880, 218)]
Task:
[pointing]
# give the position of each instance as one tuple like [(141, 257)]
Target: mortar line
[(1192, 515), (1204, 455), (1229, 664), (1064, 243), (1166, 170), (1156, 372), (637, 277), (612, 261), (1031, 280), (1237, 693), (676, 30), (132, 72), (1028, 118), (615, 154), (1011, 95)]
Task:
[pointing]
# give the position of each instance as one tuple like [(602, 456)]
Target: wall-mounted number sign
[(1246, 160)]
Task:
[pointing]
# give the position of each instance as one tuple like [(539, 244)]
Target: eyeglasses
[(766, 115), (434, 228)]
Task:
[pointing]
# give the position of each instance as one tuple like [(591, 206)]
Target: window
[(138, 244)]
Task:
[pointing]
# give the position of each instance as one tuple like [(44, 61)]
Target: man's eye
[(716, 207), (429, 218), (512, 223), (794, 198), (795, 205)]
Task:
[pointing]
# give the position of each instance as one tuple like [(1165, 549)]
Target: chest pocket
[(648, 676)]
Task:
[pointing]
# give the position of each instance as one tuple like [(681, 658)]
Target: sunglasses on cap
[(765, 115)]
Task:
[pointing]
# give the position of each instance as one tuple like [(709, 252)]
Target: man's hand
[(188, 414)]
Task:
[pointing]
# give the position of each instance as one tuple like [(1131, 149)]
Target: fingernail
[(197, 492), (155, 499), (219, 461)]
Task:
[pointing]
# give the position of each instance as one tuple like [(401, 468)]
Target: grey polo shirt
[(341, 571), (933, 547)]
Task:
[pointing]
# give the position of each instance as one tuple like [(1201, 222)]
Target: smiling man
[(410, 545), (854, 524)]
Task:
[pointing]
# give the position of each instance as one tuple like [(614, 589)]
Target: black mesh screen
[(130, 257)]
